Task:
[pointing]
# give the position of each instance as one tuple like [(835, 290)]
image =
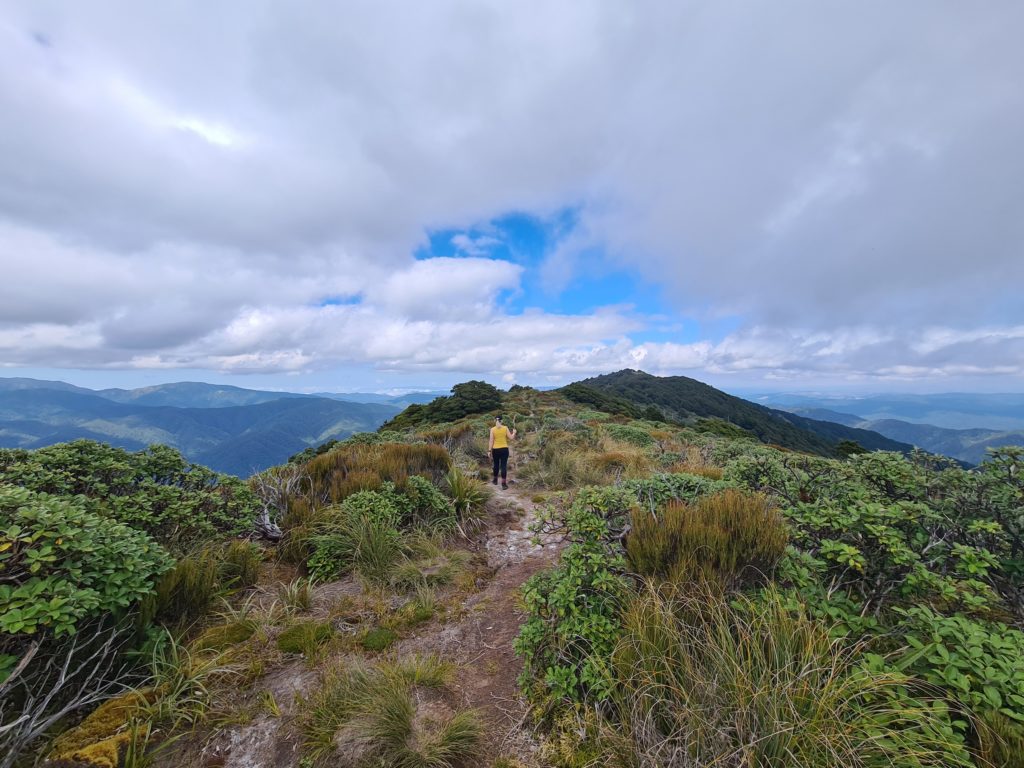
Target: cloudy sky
[(763, 194)]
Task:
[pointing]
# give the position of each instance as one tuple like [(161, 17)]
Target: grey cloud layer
[(187, 186)]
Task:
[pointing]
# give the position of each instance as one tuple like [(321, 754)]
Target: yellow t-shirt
[(500, 435)]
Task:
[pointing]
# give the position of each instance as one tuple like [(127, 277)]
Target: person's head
[(497, 420)]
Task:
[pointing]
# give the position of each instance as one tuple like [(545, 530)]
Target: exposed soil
[(477, 637)]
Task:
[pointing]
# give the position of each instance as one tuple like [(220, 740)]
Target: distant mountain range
[(230, 429), (240, 431), (686, 399), (968, 445), (999, 412)]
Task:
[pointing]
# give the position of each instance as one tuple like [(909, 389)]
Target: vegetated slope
[(238, 439), (688, 400)]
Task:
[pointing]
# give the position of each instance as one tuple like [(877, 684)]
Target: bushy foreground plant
[(60, 564), (372, 715), (349, 469), (572, 621), (731, 538), (155, 490), (699, 680)]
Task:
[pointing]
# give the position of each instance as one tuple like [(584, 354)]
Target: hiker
[(497, 450)]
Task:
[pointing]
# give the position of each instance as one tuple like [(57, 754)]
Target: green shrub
[(572, 611), (60, 564), (155, 490), (629, 434), (729, 538), (379, 639), (240, 567), (304, 637), (977, 663)]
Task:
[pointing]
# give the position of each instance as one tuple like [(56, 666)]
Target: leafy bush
[(155, 490), (60, 563), (728, 538), (572, 611), (467, 399), (978, 663)]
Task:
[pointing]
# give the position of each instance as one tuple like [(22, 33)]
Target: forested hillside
[(690, 401), (239, 439)]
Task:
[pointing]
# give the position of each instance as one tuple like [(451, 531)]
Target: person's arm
[(512, 434), (490, 443)]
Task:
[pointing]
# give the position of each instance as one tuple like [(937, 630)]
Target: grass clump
[(702, 681), (381, 716), (305, 638), (728, 538), (469, 497), (240, 567), (222, 636), (296, 596), (379, 639)]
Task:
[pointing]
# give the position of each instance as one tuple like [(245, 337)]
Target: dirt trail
[(480, 642), (478, 639)]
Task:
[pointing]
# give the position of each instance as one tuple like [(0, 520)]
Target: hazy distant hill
[(968, 445), (1001, 412), (235, 439), (193, 394), (684, 398)]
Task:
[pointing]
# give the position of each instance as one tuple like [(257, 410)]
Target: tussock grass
[(729, 538), (295, 596), (704, 681), (374, 716), (469, 497), (240, 567), (351, 468)]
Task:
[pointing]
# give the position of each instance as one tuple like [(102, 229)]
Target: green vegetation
[(717, 601), (467, 399)]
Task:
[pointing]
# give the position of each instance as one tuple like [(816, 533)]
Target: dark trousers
[(500, 458)]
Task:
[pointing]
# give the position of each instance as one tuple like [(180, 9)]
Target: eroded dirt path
[(480, 641), (477, 637)]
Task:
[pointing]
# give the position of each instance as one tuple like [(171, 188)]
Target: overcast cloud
[(242, 186)]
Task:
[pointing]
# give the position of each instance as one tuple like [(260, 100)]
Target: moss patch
[(379, 639), (304, 637), (223, 636)]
